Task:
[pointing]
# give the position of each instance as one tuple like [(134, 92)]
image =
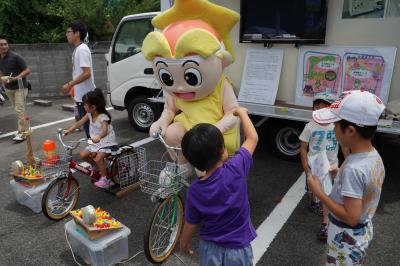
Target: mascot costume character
[(189, 57)]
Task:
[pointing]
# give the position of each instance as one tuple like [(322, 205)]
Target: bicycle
[(62, 194), (163, 180)]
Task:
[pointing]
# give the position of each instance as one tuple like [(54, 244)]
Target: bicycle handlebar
[(68, 147), (158, 136)]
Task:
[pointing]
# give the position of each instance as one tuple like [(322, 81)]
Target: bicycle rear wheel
[(112, 171), (164, 229), (60, 198)]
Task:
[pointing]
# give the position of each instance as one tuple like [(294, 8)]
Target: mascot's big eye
[(166, 77), (193, 77)]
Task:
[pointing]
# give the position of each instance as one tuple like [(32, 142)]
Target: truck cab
[(130, 76)]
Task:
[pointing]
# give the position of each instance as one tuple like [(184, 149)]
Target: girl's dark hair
[(97, 99), (366, 132), (202, 146)]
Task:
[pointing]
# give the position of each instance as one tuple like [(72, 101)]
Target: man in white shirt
[(82, 68)]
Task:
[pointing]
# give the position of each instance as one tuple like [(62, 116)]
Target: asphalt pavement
[(27, 238)]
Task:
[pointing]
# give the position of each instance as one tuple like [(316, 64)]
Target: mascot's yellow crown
[(221, 19)]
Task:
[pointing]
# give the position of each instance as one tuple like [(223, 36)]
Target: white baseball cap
[(359, 107)]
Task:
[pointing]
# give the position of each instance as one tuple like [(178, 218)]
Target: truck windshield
[(130, 38)]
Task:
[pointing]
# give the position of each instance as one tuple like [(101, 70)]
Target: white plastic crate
[(30, 197), (104, 251)]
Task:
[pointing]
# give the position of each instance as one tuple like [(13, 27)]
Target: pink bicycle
[(62, 194)]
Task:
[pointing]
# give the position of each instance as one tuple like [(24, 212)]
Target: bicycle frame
[(174, 212), (76, 166)]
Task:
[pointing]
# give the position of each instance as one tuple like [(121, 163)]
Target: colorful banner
[(335, 69), (363, 72), (322, 73)]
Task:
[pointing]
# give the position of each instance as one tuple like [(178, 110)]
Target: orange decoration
[(49, 149)]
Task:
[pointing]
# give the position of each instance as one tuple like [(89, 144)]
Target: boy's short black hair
[(75, 26), (320, 101), (202, 146), (366, 132)]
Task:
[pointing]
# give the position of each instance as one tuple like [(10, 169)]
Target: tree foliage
[(45, 21)]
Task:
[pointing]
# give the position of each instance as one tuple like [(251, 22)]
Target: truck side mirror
[(148, 71)]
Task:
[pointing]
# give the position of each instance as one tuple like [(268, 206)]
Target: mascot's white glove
[(158, 127), (168, 114)]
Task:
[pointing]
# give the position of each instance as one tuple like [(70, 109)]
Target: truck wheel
[(284, 139), (142, 113)]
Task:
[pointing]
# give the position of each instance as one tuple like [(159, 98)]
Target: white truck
[(129, 75), (133, 87)]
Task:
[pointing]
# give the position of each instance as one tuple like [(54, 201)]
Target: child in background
[(218, 202), (317, 138), (101, 133), (358, 184)]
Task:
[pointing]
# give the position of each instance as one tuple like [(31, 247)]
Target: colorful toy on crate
[(17, 167), (95, 218), (25, 171), (89, 214)]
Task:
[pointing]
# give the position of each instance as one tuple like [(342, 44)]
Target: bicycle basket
[(57, 167), (161, 179), (128, 166)]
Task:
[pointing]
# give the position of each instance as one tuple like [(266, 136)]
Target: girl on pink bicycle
[(101, 132)]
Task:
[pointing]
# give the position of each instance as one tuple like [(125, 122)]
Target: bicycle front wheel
[(60, 198), (164, 229)]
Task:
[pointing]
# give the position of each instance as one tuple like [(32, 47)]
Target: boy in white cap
[(358, 184), (317, 139)]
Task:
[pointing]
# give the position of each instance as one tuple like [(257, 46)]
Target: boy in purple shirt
[(217, 202)]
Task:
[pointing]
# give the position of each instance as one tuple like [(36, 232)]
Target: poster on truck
[(334, 69), (322, 73), (261, 74), (363, 72)]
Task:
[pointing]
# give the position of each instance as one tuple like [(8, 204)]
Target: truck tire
[(284, 139), (142, 113)]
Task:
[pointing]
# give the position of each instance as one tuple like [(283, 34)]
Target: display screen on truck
[(285, 21)]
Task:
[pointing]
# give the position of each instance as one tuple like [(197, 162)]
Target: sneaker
[(19, 138), (323, 232), (316, 208), (104, 183)]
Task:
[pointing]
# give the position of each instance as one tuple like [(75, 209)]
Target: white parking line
[(142, 142), (46, 125), (271, 226), (39, 126)]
